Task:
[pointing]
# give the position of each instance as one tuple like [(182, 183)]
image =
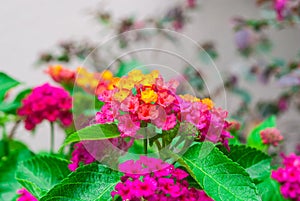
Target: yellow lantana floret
[(121, 95), (136, 75), (107, 75), (149, 96), (190, 98), (208, 102)]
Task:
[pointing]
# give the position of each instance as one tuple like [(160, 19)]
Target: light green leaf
[(39, 174), (6, 83), (94, 132), (92, 182), (127, 66), (269, 190), (254, 139), (256, 163), (220, 177)]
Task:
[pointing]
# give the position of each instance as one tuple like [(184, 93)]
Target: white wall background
[(31, 26)]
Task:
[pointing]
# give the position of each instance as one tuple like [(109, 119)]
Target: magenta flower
[(46, 102), (105, 115), (80, 155), (25, 195), (145, 188), (179, 174), (168, 186), (289, 177), (280, 6), (152, 179)]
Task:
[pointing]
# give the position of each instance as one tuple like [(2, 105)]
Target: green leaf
[(94, 132), (254, 139), (39, 174), (269, 190), (12, 107), (6, 83), (127, 66), (11, 146), (8, 184), (256, 163), (88, 183), (220, 177)]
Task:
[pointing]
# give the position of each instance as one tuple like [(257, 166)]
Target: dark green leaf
[(256, 163), (6, 83), (254, 139), (10, 146), (39, 174), (11, 107), (219, 176), (94, 132), (269, 190), (92, 182)]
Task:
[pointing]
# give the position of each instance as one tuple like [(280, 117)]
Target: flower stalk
[(51, 137)]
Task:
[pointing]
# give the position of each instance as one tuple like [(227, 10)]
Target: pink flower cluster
[(46, 102), (152, 179), (86, 152), (210, 121), (271, 136), (289, 177), (280, 6), (139, 98), (25, 195)]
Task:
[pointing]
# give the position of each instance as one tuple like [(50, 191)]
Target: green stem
[(13, 130), (52, 137), (146, 146), (163, 141), (157, 144), (4, 133), (5, 142)]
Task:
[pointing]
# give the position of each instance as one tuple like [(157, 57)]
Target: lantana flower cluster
[(138, 99), (271, 136), (91, 82), (61, 75), (289, 177), (94, 82), (152, 179), (46, 102), (25, 195)]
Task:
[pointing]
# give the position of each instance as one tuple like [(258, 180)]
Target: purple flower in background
[(243, 38)]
